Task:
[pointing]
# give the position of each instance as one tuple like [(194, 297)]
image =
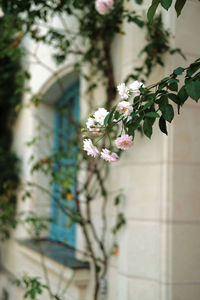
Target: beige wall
[(185, 197), (159, 255)]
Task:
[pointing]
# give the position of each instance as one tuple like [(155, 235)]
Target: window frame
[(60, 232)]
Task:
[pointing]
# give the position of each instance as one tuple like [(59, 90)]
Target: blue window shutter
[(64, 130)]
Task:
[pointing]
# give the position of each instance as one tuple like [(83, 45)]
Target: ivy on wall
[(11, 86), (156, 47)]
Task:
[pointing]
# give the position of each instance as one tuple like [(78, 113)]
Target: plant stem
[(111, 92)]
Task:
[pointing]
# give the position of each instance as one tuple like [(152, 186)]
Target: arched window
[(65, 151)]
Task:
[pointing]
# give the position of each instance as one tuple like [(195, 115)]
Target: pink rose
[(91, 126), (125, 108), (124, 142), (108, 155), (90, 148), (104, 7)]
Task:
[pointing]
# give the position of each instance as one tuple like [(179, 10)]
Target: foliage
[(11, 85), (8, 184), (149, 103), (154, 102), (33, 286), (91, 44), (35, 224), (166, 4), (157, 45), (90, 41)]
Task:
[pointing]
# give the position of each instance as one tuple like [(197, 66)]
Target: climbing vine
[(147, 104), (155, 50), (11, 87)]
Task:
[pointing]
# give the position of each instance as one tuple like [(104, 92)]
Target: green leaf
[(147, 126), (178, 71), (139, 1), (135, 124), (131, 131), (179, 6), (148, 104), (98, 269), (166, 3), (173, 80), (167, 112), (182, 95), (162, 125), (173, 97), (193, 90), (162, 85), (152, 10), (117, 200), (152, 114), (106, 119), (147, 129), (177, 50), (192, 69), (163, 100), (109, 116), (173, 86)]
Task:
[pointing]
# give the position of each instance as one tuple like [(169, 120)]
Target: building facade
[(159, 248)]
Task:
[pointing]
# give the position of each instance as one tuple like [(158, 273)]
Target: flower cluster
[(104, 7), (134, 88), (96, 123)]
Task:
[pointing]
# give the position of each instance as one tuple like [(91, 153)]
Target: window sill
[(56, 251)]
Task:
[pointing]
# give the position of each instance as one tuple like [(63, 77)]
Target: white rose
[(134, 87), (123, 91), (100, 115)]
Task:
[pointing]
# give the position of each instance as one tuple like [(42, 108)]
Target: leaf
[(163, 100), (162, 125), (182, 95), (98, 269), (177, 50), (193, 90), (109, 116), (131, 131), (135, 124), (162, 85), (106, 119), (148, 104), (152, 10), (152, 114), (166, 3), (178, 71), (173, 80), (179, 6), (192, 69), (137, 21), (173, 86), (117, 200), (167, 112), (119, 223), (147, 126), (173, 97)]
